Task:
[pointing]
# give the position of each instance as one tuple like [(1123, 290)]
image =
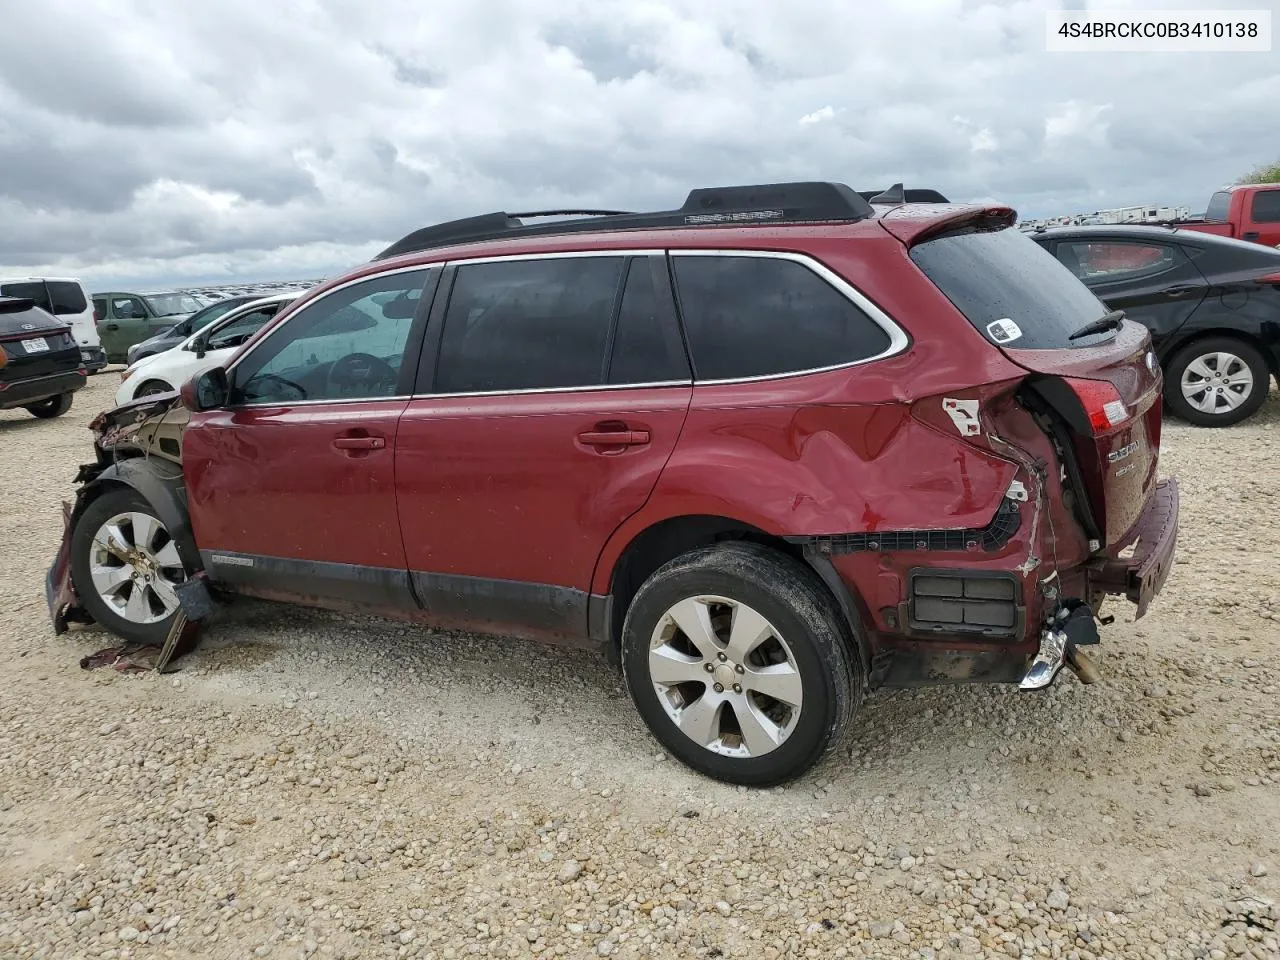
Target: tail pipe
[(1070, 627)]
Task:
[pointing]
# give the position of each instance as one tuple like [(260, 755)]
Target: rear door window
[(1111, 261), (1010, 288), (767, 316), (1266, 206), (528, 325), (66, 298)]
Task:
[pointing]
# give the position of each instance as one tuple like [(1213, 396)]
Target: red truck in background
[(1246, 212)]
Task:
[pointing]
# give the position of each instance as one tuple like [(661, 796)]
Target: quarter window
[(760, 316), (348, 345), (528, 324)]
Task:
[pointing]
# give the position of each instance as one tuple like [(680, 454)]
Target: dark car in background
[(1212, 305), (174, 335), (43, 365)]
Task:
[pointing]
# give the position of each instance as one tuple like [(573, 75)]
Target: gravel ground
[(313, 785)]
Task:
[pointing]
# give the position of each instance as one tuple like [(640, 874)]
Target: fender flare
[(166, 494)]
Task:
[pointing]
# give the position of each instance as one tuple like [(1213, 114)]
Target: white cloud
[(818, 116), (210, 140)]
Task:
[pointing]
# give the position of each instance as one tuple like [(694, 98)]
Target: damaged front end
[(138, 445)]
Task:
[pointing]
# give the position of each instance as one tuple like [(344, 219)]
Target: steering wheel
[(359, 370)]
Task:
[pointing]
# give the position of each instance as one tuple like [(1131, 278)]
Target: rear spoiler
[(915, 225)]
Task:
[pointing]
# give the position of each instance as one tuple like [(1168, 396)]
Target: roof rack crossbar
[(809, 202)]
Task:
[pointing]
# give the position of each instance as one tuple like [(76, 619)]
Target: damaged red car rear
[(769, 450)]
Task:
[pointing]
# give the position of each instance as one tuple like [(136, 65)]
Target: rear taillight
[(1271, 278), (1101, 401)]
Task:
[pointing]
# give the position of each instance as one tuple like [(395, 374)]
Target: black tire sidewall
[(1178, 363), (816, 643), (143, 391), (51, 407), (116, 500)]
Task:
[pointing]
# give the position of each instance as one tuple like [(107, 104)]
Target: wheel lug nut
[(722, 658), (708, 667), (719, 688), (737, 688), (739, 668)]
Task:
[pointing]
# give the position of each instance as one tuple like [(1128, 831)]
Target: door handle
[(1251, 235), (1181, 291), (614, 438), (111, 326), (359, 443)]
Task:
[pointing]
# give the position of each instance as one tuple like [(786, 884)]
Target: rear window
[(1010, 288), (1219, 208), (67, 298), (29, 290)]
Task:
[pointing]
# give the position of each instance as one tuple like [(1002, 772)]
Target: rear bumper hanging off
[(1154, 538)]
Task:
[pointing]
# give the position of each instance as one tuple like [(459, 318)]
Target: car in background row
[(66, 299), (43, 367), (180, 331), (209, 348), (1212, 305), (767, 450), (128, 318), (1247, 211)]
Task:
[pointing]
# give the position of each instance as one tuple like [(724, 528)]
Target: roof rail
[(896, 194), (809, 202)]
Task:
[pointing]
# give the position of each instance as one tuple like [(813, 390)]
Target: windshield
[(173, 304), (1014, 292), (213, 312)]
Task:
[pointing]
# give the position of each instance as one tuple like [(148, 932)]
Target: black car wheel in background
[(43, 365), (1212, 305)]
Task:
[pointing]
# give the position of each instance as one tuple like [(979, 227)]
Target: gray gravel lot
[(315, 785)]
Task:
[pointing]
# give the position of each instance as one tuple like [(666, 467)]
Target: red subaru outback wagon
[(770, 450)]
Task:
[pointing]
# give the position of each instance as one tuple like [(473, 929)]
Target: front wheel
[(151, 388), (53, 407), (738, 661), (1216, 382), (125, 565)]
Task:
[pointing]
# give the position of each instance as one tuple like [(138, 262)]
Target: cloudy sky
[(152, 142)]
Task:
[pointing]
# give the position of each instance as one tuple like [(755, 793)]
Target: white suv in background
[(211, 347), (67, 299)]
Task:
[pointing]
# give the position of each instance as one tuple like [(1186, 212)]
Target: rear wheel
[(1216, 382), (124, 566), (53, 407), (737, 660)]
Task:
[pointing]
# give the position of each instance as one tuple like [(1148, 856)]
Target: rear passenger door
[(1154, 283), (552, 393), (126, 323)]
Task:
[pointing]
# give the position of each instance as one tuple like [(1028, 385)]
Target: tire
[(1247, 380), (53, 407), (151, 387), (805, 632), (123, 614)]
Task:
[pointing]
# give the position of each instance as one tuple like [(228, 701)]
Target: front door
[(124, 323), (554, 392), (290, 487)]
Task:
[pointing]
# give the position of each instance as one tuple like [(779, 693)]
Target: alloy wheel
[(725, 676), (134, 564)]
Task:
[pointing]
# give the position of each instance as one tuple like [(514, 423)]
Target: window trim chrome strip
[(899, 341)]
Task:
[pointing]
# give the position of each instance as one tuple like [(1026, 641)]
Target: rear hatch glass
[(1104, 385)]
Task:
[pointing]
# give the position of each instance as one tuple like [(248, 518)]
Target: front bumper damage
[(1138, 577)]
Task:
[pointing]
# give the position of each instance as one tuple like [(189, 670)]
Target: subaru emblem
[(28, 326)]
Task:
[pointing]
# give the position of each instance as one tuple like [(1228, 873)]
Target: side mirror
[(200, 347), (206, 391)]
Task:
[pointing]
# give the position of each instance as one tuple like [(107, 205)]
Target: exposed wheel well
[(671, 538), (1268, 352), (153, 382)]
